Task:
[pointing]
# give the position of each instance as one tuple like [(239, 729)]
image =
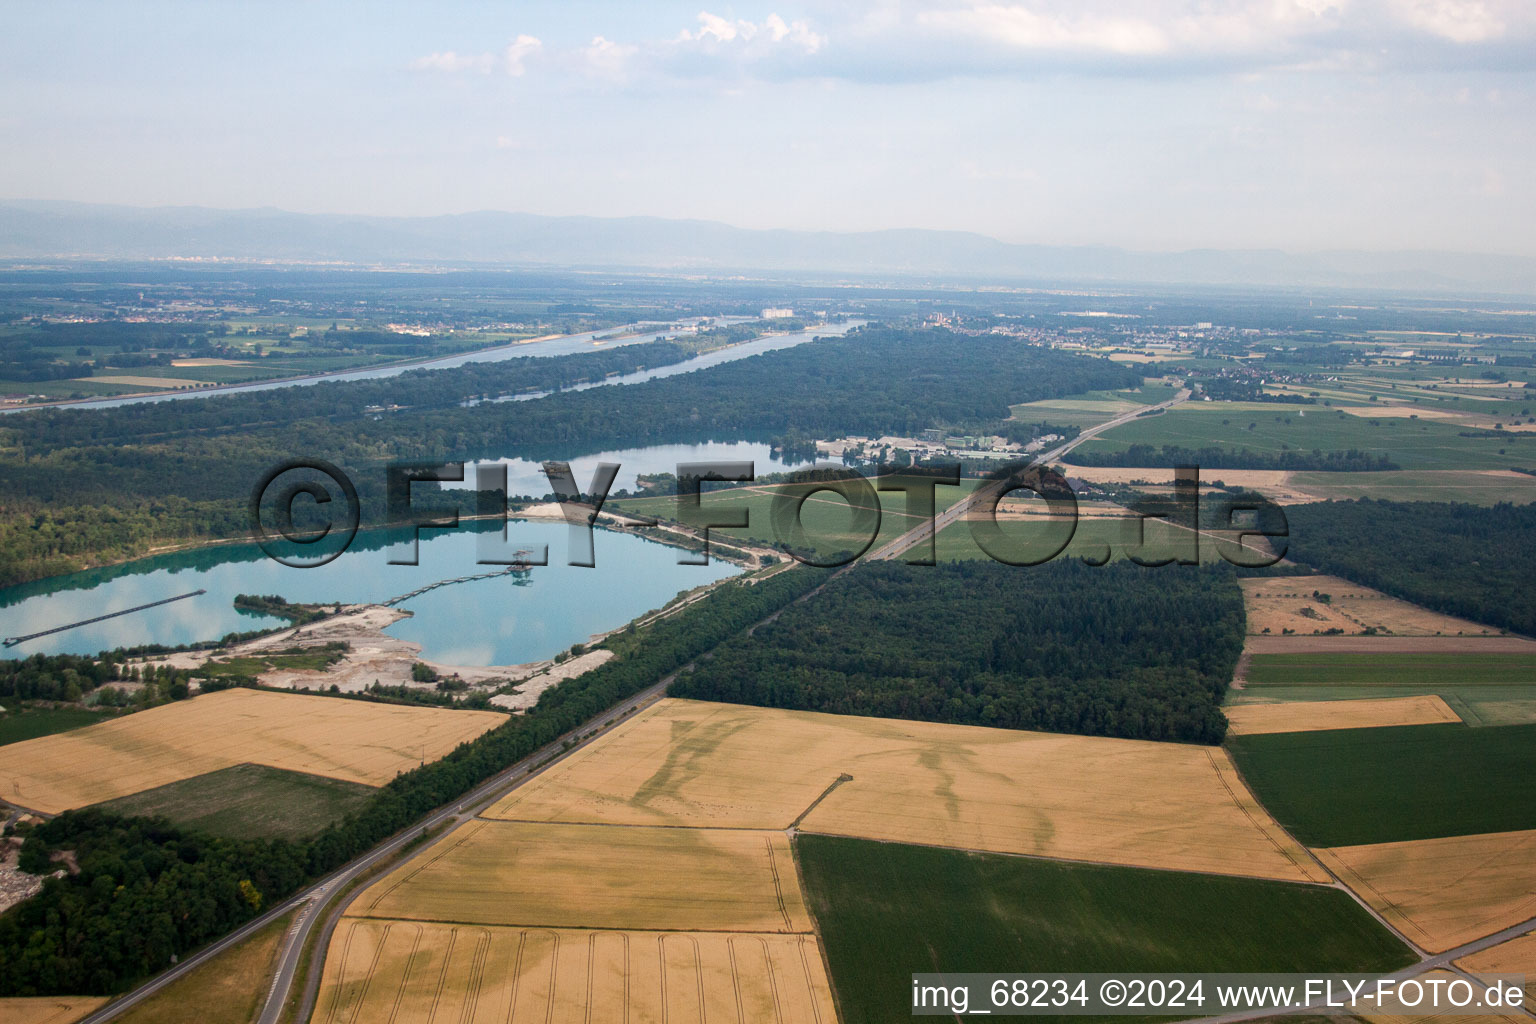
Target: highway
[(314, 897), (957, 511), (314, 911)]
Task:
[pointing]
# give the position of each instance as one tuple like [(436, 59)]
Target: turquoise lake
[(499, 621)]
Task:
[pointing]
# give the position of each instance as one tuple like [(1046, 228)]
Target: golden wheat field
[(1277, 603), (1320, 715), (48, 1009), (693, 763), (1394, 1012), (1517, 956), (598, 876), (469, 974), (344, 739), (1442, 893)]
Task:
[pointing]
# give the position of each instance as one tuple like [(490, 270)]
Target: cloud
[(1460, 21), (512, 60), (926, 40), (715, 32), (454, 63), (605, 58), (518, 51)]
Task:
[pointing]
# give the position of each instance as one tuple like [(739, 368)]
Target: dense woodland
[(97, 484), (1463, 560), (1115, 651), (147, 891)]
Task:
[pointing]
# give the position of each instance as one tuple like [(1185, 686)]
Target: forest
[(148, 892), (1464, 560), (106, 483), (1114, 651)]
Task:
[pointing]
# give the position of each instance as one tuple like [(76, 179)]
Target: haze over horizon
[(1159, 126)]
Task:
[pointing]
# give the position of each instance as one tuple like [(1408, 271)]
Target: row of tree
[(88, 484), (147, 892), (1351, 461)]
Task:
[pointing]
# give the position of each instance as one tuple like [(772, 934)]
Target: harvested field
[(344, 739), (598, 876), (1442, 893), (1517, 956), (1315, 716), (398, 970), (1483, 689), (1277, 603), (1275, 484), (144, 382), (48, 1009), (1392, 1010), (1133, 802)]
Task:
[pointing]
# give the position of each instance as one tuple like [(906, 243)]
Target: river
[(566, 345)]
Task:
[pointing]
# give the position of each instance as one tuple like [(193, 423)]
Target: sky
[(1149, 124)]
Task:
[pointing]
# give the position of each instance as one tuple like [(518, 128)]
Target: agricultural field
[(1314, 716), (1102, 534), (1484, 689), (884, 908), (1316, 604), (826, 518), (1350, 787), (1091, 408), (1472, 486), (47, 1009), (1444, 892), (248, 801), (476, 974), (1269, 429), (688, 763), (350, 740), (25, 723), (597, 876), (1517, 956)]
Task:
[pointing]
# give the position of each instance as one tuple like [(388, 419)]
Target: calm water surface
[(498, 621)]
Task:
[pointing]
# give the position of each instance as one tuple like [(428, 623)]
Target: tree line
[(89, 484), (1115, 651), (1473, 562), (147, 891), (1351, 461)]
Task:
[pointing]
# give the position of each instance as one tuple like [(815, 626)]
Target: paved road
[(957, 511), (313, 898)]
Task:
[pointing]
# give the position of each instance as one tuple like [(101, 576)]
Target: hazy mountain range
[(38, 229)]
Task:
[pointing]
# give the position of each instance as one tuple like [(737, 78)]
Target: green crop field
[(1091, 408), (25, 723), (1484, 689), (1365, 669), (249, 801), (1470, 486), (1412, 444), (1348, 787), (826, 517), (1093, 539), (887, 910)]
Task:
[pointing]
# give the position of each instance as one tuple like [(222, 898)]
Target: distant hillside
[(34, 229)]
